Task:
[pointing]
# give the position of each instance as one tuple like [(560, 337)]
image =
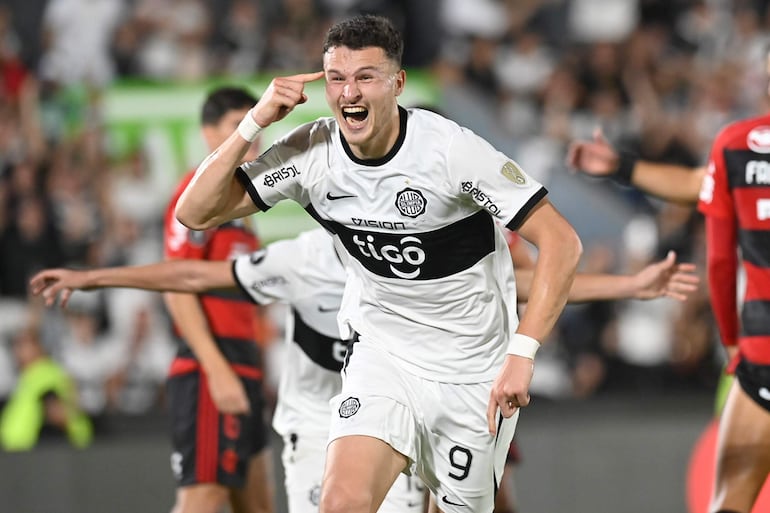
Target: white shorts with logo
[(441, 427), (303, 463)]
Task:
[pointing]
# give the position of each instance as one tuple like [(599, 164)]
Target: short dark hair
[(222, 100), (366, 30)]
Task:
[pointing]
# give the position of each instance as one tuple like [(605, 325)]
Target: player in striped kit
[(733, 192)]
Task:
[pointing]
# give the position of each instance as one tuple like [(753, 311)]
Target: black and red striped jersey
[(231, 315), (735, 197)]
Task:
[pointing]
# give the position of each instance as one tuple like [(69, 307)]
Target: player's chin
[(355, 135)]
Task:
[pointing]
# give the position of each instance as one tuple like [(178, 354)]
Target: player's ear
[(400, 82)]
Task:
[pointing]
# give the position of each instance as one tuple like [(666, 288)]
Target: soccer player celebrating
[(440, 364)]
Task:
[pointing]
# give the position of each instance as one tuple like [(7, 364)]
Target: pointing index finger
[(307, 77)]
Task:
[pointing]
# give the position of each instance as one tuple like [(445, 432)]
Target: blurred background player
[(734, 196), (219, 436)]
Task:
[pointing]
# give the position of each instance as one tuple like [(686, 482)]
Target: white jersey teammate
[(307, 274), (412, 197)]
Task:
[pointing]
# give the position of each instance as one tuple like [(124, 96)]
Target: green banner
[(164, 118)]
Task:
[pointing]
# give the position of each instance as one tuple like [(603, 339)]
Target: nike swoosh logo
[(764, 393), (447, 501), (331, 197), (324, 309)]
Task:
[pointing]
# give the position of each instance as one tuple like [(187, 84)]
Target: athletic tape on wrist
[(523, 345), (625, 171), (248, 128)]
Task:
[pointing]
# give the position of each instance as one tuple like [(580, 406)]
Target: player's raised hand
[(666, 278), (281, 96), (596, 157), (51, 282), (510, 389)]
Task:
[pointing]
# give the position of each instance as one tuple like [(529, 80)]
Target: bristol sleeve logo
[(275, 177), (411, 202)]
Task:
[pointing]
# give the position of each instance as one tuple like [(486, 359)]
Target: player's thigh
[(467, 461), (303, 461), (743, 446), (256, 496), (358, 473), (201, 498), (407, 495)]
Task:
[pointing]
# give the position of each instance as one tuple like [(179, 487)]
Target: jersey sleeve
[(715, 198), (494, 182), (279, 172), (271, 274)]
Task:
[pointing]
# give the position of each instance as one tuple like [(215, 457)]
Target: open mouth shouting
[(355, 117)]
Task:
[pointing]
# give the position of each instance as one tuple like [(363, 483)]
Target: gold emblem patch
[(512, 172)]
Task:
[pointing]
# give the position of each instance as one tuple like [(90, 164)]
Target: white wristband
[(523, 345), (248, 128)]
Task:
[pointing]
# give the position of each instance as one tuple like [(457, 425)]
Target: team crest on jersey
[(513, 173), (315, 495), (410, 202), (349, 407), (758, 139)]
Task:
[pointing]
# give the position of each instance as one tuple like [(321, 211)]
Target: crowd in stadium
[(660, 78)]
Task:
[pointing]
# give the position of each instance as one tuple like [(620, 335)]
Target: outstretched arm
[(670, 182), (662, 278), (215, 195), (177, 276)]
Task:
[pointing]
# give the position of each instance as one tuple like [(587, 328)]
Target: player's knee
[(341, 499)]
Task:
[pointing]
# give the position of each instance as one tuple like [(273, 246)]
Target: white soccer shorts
[(441, 427)]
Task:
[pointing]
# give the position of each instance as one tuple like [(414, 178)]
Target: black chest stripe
[(422, 255), (755, 318), (747, 169), (328, 352), (755, 247)]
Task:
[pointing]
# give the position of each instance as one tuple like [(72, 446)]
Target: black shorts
[(755, 381), (210, 447)]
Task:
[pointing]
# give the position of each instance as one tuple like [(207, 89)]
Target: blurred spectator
[(78, 35), (173, 35), (44, 402), (137, 386), (30, 243), (91, 356)]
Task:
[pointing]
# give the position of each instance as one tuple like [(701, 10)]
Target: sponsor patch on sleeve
[(513, 173)]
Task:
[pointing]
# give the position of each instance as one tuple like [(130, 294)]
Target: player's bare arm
[(670, 182), (215, 196), (664, 278), (227, 391), (559, 249), (177, 276)]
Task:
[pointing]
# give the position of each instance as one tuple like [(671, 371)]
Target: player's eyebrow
[(362, 69)]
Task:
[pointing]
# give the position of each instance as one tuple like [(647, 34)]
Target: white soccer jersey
[(306, 273), (429, 273)]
